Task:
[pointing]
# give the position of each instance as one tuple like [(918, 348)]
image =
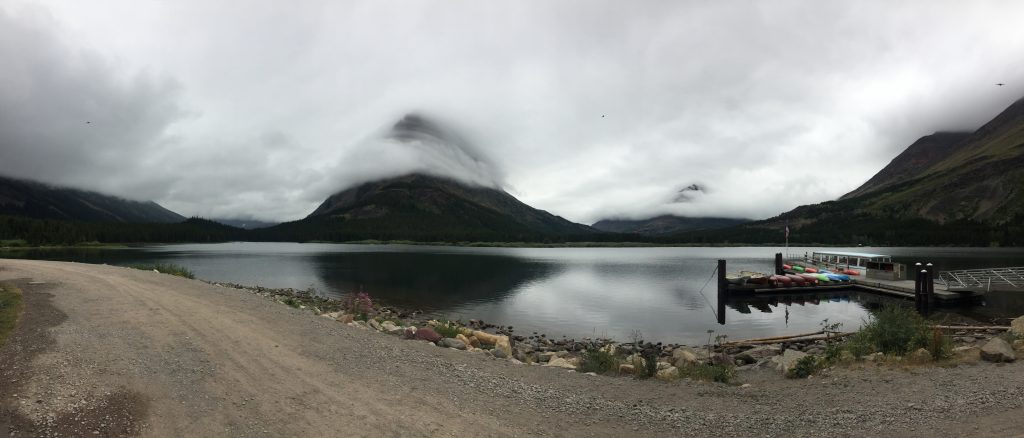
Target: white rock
[(559, 362)]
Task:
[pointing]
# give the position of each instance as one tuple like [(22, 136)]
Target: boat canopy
[(862, 255)]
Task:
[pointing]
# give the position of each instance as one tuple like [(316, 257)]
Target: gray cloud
[(261, 110)]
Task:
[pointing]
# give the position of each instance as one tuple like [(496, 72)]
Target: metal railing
[(1001, 278)]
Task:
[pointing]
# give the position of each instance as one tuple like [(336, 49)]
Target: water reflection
[(667, 294)]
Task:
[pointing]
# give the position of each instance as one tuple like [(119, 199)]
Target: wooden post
[(723, 292), (929, 291), (778, 263), (918, 281)]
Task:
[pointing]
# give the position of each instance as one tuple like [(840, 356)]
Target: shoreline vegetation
[(892, 337), (18, 231)]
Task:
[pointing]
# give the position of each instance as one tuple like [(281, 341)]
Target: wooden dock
[(905, 288)]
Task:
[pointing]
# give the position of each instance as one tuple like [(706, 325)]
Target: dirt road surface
[(111, 351)]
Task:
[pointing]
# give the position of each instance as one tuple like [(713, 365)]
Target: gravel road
[(110, 351)]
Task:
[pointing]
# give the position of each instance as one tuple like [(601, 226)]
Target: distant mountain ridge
[(666, 224), (945, 188), (913, 161), (41, 201), (427, 208)]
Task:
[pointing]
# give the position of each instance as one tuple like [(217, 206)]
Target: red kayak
[(810, 270), (787, 267), (797, 280), (811, 278), (850, 272), (782, 280)]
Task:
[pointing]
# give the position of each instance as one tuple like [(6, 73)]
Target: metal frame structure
[(1001, 278)]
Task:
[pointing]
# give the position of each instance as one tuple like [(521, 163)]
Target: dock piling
[(723, 293), (778, 263)]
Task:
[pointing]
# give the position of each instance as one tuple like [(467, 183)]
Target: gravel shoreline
[(208, 360)]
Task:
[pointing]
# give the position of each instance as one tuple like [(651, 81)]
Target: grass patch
[(709, 373), (292, 302), (599, 361), (165, 268), (16, 243), (10, 310), (448, 329)]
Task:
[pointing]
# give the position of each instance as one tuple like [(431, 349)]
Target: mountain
[(40, 201), (245, 224), (980, 177), (427, 208), (914, 161), (666, 224), (945, 189)]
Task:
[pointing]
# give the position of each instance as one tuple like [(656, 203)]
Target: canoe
[(737, 279), (843, 277), (834, 277), (822, 278), (810, 270), (798, 268), (755, 277)]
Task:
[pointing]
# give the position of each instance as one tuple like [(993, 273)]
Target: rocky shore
[(717, 361)]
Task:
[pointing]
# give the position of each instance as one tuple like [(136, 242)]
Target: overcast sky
[(587, 109)]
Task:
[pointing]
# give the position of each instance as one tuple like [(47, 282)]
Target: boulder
[(503, 345), (487, 338), (374, 325), (787, 360), (998, 350), (1018, 345), (875, 357), (1017, 326), (427, 334), (722, 359), (452, 343), (498, 353), (389, 327), (756, 354), (474, 342), (612, 349), (626, 369), (559, 362), (671, 373), (546, 356), (919, 356), (663, 366), (683, 356), (464, 339), (409, 333), (345, 318)]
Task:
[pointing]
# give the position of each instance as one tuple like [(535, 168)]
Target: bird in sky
[(88, 122), (602, 116), (1000, 84)]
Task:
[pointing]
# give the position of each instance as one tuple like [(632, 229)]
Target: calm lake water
[(577, 292)]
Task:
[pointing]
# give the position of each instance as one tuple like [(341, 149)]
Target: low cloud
[(585, 109)]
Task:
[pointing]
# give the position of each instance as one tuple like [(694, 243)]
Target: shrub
[(650, 361), (599, 361), (804, 367), (360, 304), (291, 302)]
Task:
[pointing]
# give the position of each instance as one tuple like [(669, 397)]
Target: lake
[(664, 292)]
